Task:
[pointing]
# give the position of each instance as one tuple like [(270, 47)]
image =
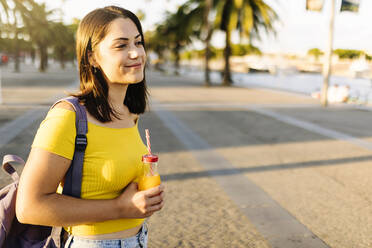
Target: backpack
[(15, 234)]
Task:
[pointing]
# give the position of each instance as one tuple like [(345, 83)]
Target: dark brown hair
[(93, 86)]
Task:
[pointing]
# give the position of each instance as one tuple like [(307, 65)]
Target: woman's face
[(121, 55)]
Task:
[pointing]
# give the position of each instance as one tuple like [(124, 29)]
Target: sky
[(298, 30)]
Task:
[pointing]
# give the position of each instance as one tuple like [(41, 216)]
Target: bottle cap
[(150, 158)]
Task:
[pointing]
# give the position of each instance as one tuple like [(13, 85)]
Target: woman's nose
[(133, 53)]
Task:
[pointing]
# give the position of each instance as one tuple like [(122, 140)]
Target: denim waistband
[(139, 240)]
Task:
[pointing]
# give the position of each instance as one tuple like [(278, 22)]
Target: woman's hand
[(140, 204)]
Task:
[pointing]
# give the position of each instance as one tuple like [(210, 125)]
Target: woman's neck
[(116, 97)]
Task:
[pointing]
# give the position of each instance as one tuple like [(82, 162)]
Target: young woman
[(111, 212)]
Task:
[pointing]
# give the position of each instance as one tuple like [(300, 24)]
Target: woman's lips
[(138, 65)]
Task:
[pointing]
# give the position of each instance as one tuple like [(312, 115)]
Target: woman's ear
[(92, 59)]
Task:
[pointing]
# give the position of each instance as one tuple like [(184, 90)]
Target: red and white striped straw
[(148, 141)]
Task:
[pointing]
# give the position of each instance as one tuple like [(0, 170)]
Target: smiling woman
[(120, 55), (111, 212), (111, 50)]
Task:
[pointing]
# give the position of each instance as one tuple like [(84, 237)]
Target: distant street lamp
[(328, 57)]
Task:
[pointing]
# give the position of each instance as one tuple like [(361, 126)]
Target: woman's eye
[(139, 43), (121, 46)]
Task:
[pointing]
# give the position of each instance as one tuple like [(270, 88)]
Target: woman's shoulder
[(61, 114), (57, 131), (62, 110), (64, 105)]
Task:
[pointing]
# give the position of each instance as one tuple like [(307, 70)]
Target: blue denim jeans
[(138, 241)]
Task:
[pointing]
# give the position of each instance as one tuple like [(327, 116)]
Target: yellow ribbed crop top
[(112, 160)]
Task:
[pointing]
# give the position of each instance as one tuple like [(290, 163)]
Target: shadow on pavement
[(263, 168), (238, 128)]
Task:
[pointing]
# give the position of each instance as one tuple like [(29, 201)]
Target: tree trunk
[(62, 64), (16, 52), (16, 55), (33, 54), (177, 61), (46, 59), (208, 6), (62, 58), (227, 74), (207, 81), (43, 58)]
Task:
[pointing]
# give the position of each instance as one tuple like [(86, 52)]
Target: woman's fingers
[(154, 191), (143, 203), (155, 200), (156, 207)]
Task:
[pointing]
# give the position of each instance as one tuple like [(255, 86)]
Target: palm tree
[(18, 9), (156, 43), (201, 10), (209, 31), (31, 19), (246, 16), (190, 21), (63, 41), (177, 30), (39, 28), (15, 28)]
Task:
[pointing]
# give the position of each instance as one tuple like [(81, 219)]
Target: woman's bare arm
[(38, 203)]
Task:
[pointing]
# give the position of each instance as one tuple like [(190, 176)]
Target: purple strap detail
[(8, 162), (72, 186)]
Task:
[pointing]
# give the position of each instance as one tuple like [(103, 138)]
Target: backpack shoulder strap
[(72, 185), (8, 162)]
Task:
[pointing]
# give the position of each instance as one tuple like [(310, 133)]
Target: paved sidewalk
[(250, 167), (313, 163)]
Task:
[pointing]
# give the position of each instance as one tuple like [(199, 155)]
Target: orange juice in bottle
[(150, 177)]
